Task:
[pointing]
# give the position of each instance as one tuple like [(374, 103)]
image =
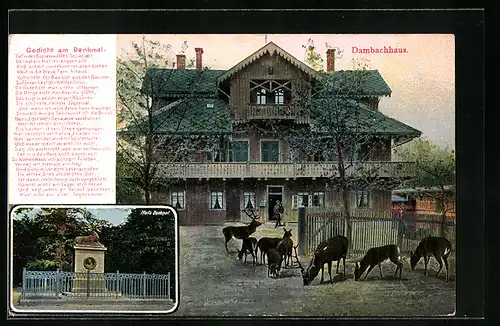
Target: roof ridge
[(269, 47)]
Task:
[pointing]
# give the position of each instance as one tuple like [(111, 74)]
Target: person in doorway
[(278, 213)]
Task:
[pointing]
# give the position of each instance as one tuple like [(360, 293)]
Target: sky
[(422, 79)]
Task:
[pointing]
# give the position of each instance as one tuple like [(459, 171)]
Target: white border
[(61, 311)]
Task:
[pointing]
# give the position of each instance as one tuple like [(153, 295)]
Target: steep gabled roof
[(373, 84), (188, 116), (269, 48), (178, 82), (375, 122)]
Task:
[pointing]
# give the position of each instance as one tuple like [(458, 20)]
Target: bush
[(42, 265)]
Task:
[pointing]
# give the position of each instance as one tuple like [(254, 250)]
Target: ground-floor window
[(216, 200), (302, 198), (316, 199), (249, 200), (177, 199)]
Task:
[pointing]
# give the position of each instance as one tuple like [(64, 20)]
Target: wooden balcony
[(264, 112), (282, 170)]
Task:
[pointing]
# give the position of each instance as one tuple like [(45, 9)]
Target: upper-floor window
[(238, 151), (277, 92), (261, 96), (269, 151)]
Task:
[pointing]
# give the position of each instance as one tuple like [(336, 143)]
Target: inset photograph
[(121, 259)]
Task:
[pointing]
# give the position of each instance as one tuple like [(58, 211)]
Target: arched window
[(261, 96), (279, 96)]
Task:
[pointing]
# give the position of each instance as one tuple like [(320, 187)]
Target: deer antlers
[(297, 258), (298, 262), (251, 213)]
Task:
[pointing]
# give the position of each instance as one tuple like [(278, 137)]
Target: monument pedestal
[(89, 269)]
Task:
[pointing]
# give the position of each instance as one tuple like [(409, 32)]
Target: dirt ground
[(216, 283)]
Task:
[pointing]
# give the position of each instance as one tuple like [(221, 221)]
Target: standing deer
[(284, 247), (375, 256), (273, 262), (333, 249), (241, 232), (439, 247), (265, 244), (249, 246)]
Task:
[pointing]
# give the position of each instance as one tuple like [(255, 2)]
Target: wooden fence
[(370, 228)]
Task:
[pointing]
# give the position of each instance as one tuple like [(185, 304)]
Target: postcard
[(250, 175)]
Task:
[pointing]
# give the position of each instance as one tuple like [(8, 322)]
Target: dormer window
[(270, 92), (279, 97), (261, 96)]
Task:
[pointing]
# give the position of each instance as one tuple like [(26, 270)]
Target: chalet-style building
[(254, 168)]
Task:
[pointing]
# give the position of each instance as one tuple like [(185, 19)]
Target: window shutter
[(294, 202)]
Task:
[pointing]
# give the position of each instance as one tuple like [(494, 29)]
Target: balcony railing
[(283, 170), (265, 112)]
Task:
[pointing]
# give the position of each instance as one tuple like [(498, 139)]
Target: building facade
[(252, 166)]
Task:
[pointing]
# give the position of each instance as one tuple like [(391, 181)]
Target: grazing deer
[(249, 246), (241, 232), (375, 256), (284, 247), (274, 263), (439, 247), (333, 249), (264, 244)]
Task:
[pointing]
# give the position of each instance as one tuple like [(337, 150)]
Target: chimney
[(181, 61), (330, 60), (199, 52)]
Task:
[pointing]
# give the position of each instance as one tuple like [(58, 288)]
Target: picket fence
[(370, 228)]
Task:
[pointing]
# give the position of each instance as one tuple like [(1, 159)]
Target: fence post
[(88, 283), (302, 236), (117, 282), (168, 285), (57, 282), (144, 284), (23, 286)]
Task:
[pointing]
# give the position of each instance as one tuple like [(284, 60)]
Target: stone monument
[(89, 265)]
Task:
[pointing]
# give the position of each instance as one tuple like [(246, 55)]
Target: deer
[(88, 239), (333, 249), (438, 247), (265, 244), (249, 245), (273, 263), (284, 247), (375, 256), (241, 232)]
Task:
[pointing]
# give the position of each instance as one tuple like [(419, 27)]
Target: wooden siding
[(197, 199), (240, 87)]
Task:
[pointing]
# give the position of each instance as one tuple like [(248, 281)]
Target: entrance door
[(272, 199), (274, 193)]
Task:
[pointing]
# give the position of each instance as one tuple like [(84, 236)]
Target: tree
[(435, 170), (144, 243), (158, 106), (45, 237)]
